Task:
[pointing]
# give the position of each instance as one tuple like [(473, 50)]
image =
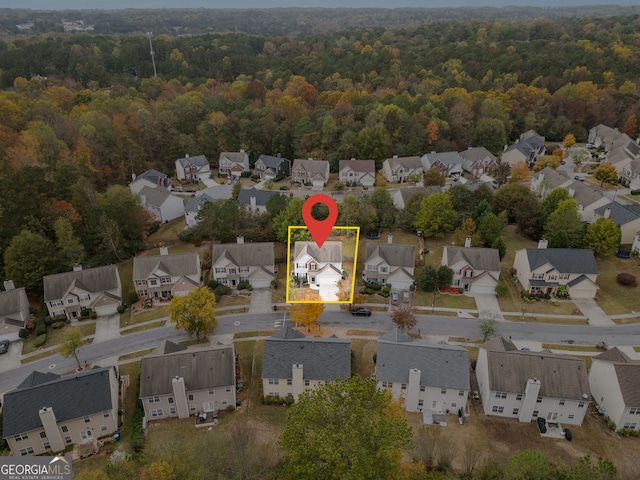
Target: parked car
[(362, 311), (394, 298), (589, 145), (579, 178), (4, 346), (542, 425), (405, 296), (567, 434)]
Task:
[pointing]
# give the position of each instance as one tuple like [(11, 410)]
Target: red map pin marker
[(320, 229)]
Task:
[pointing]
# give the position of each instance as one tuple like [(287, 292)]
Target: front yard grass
[(612, 297), (141, 316), (146, 326), (233, 300), (259, 333), (56, 336), (573, 348), (460, 302)]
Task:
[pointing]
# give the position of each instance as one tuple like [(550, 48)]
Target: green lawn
[(141, 328), (167, 231), (145, 315), (56, 336), (613, 298), (259, 333), (573, 348)]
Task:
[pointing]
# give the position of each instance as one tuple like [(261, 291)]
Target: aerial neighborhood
[(169, 310)]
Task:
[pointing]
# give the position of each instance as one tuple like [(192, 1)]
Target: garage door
[(483, 289)]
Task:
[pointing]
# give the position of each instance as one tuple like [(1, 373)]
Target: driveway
[(261, 301), (595, 315), (487, 303), (107, 328)]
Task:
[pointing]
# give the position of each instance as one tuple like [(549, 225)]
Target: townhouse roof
[(393, 255), (13, 302), (585, 195), (475, 154), (613, 355), (195, 203), (155, 196), (270, 161), (364, 166), (198, 161), (330, 251), (554, 178), (565, 260), (396, 336), (70, 397), (312, 166), (561, 376), (176, 265), (448, 158), (98, 279), (200, 369), (321, 358), (409, 192), (499, 344), (628, 373), (405, 162), (234, 157), (245, 254), (477, 258), (621, 214), (219, 192), (440, 365), (261, 196), (154, 176)]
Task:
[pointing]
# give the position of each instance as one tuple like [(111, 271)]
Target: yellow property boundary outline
[(355, 263)]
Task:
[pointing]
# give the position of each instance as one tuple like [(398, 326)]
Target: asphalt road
[(447, 326)]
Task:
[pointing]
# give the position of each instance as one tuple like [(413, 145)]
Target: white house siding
[(172, 208), (584, 289), (202, 401), (605, 391), (432, 398), (399, 280), (484, 285), (482, 375), (283, 387)]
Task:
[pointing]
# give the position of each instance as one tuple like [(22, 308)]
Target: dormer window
[(537, 276), (153, 282)]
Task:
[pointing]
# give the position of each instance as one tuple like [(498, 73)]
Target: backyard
[(612, 297)]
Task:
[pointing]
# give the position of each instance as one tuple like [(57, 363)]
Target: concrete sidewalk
[(595, 315)]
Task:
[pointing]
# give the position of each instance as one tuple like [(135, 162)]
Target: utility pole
[(153, 55)]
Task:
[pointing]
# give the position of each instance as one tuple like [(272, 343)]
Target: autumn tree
[(346, 429), (194, 312), (606, 173), (432, 130), (519, 172), (631, 126), (436, 216), (433, 177), (307, 314), (404, 316), (467, 229), (569, 141), (603, 236), (544, 161), (160, 470), (69, 346)]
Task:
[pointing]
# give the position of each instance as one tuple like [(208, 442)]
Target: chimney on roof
[(607, 212), (279, 155), (505, 147), (240, 240), (572, 192), (390, 239), (352, 158), (310, 158), (164, 250), (467, 242), (133, 177), (77, 267), (542, 243), (395, 156), (186, 155), (8, 285), (242, 150), (252, 202)]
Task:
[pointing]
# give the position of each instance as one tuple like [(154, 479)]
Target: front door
[(233, 283)]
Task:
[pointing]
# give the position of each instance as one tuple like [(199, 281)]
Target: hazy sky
[(118, 4)]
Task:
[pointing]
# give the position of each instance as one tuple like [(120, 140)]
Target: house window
[(384, 269), (103, 428), (43, 434), (553, 277), (227, 389), (170, 399), (274, 394), (55, 303), (67, 439), (192, 407), (57, 313), (222, 280), (233, 271), (403, 386), (224, 402), (581, 405), (461, 393), (501, 394), (539, 400), (154, 399), (87, 419), (634, 410), (84, 298), (211, 391), (220, 270), (313, 267), (571, 416), (46, 445), (289, 381), (157, 413), (420, 403), (208, 407), (27, 451), (519, 396), (387, 385), (172, 411), (244, 269), (165, 280), (497, 409), (273, 381), (454, 405), (443, 391), (563, 276), (537, 276), (561, 402), (515, 411), (306, 383), (106, 414), (535, 414), (190, 397), (468, 273), (422, 388), (65, 429), (630, 425), (153, 282), (70, 300), (371, 268)]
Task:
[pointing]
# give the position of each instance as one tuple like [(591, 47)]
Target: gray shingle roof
[(478, 258), (406, 162), (198, 160), (621, 214), (407, 193), (194, 203), (393, 255), (94, 280), (234, 157), (474, 154), (321, 358), (71, 397), (443, 366), (553, 177), (13, 302), (448, 158), (584, 194), (561, 376), (261, 196), (499, 344), (245, 254), (176, 265), (154, 176), (270, 161), (37, 378), (155, 196), (613, 355), (312, 166), (629, 380), (200, 369), (330, 251), (365, 166), (565, 260)]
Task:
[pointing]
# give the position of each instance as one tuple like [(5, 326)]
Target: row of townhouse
[(621, 151), (47, 412)]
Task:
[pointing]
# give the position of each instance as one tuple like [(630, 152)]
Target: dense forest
[(79, 113)]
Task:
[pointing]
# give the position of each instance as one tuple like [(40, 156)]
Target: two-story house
[(449, 164), (70, 293), (233, 263), (620, 149), (526, 385), (360, 172), (162, 276), (14, 310), (631, 174), (47, 412), (428, 378), (268, 167), (161, 204), (400, 169), (314, 172), (588, 198), (321, 268), (402, 195), (625, 216), (192, 169), (151, 178), (527, 149), (542, 270), (178, 383), (614, 379), (547, 180), (390, 264), (293, 363), (478, 161), (193, 207), (256, 200), (476, 270), (233, 163)]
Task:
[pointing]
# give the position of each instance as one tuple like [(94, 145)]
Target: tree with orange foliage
[(519, 172), (569, 141), (307, 314), (631, 126), (432, 130)]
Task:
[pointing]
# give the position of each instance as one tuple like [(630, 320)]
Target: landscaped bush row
[(137, 435), (531, 297), (269, 400), (40, 339)]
